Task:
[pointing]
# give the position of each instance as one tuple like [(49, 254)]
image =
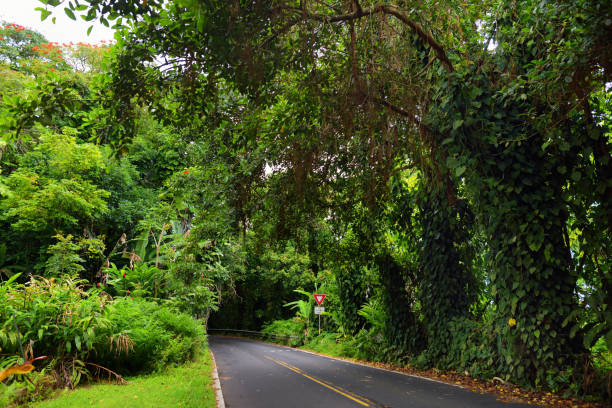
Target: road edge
[(352, 361), (216, 382), (521, 399)]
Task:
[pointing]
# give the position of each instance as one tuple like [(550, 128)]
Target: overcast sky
[(64, 30)]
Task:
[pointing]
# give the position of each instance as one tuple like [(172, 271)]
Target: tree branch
[(280, 31), (337, 10), (400, 111), (416, 27)]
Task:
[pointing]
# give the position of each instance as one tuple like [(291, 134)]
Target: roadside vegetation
[(96, 274), (441, 170), (186, 386)]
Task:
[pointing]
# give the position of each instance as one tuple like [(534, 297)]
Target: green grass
[(326, 344), (189, 385)]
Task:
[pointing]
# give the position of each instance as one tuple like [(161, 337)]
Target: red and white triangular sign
[(319, 298)]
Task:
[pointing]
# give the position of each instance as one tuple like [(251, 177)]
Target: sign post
[(319, 297)]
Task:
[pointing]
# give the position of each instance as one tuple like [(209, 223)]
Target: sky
[(64, 30)]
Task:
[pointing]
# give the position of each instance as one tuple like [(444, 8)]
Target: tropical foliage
[(442, 170)]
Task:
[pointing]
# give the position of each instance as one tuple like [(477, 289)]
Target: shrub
[(60, 319), (329, 343), (160, 336), (142, 280), (283, 329), (86, 332), (44, 317)]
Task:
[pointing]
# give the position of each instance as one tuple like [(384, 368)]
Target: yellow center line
[(298, 371)]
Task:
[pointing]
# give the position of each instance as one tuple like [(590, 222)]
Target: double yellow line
[(358, 399)]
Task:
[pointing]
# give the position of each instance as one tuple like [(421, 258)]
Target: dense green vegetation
[(96, 270), (188, 386), (441, 170)]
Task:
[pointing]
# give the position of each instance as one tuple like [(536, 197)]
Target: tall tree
[(487, 97)]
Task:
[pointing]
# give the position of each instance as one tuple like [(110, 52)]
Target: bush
[(84, 329), (60, 319), (286, 328), (142, 280), (329, 343), (159, 336)]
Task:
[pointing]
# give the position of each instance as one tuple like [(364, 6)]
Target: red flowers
[(16, 27), (186, 172), (123, 275)]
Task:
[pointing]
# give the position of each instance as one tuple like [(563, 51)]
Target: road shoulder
[(216, 382)]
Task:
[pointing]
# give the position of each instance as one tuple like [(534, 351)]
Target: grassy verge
[(326, 344), (186, 386)]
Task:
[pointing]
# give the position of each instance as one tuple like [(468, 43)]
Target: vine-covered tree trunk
[(352, 296), (446, 281), (531, 275), (517, 191), (402, 329)]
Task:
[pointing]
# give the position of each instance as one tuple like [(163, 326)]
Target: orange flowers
[(15, 27)]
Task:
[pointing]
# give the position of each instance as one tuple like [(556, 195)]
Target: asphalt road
[(255, 374)]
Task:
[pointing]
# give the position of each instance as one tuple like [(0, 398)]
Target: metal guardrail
[(256, 333)]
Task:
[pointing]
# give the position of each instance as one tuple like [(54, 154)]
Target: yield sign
[(319, 298)]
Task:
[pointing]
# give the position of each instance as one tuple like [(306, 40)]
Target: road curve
[(261, 375)]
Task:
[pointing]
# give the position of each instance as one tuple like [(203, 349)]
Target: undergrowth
[(186, 386), (87, 335)]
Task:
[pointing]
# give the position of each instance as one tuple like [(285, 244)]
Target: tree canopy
[(443, 169)]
